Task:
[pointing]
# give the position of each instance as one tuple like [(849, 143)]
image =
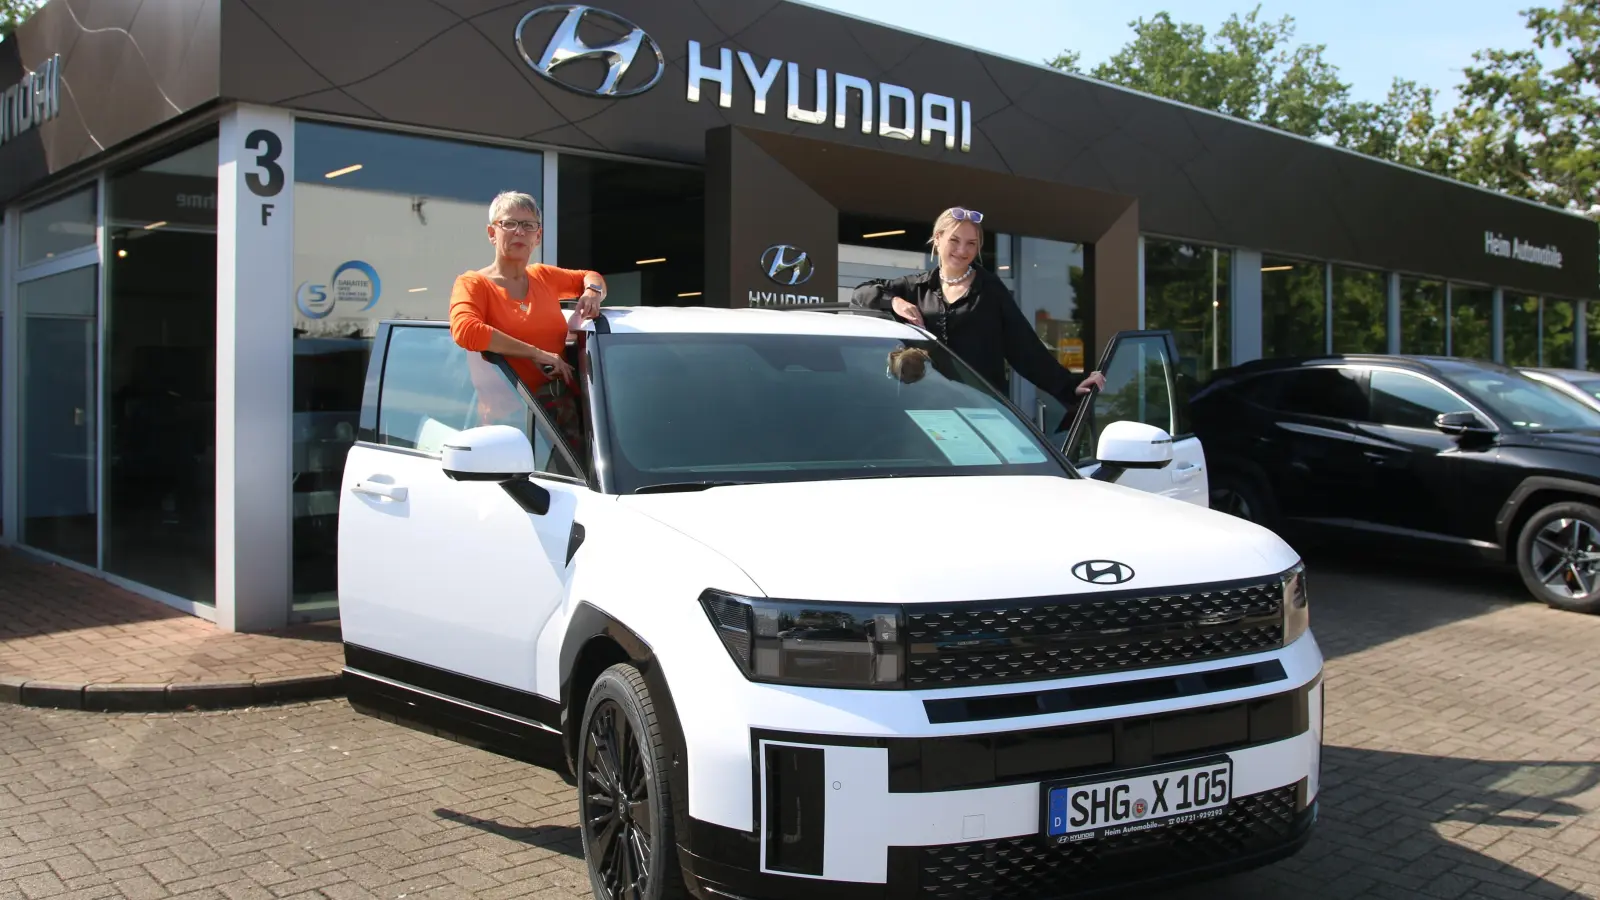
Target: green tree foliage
[(1522, 126), (14, 13)]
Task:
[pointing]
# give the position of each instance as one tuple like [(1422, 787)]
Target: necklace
[(958, 279)]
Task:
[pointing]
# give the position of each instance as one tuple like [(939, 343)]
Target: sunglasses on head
[(966, 215)]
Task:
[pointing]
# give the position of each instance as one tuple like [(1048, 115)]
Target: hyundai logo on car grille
[(1103, 571), (786, 264), (566, 46)]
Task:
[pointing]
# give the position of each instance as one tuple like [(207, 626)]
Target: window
[(1422, 317), (1409, 401), (1529, 404), (1520, 329), (638, 225), (1471, 322), (433, 390), (161, 374), (1360, 311), (1293, 307), (1186, 291), (383, 225), (1138, 389), (1331, 392), (1558, 346), (58, 227)]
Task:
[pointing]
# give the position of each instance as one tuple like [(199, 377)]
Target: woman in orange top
[(514, 309)]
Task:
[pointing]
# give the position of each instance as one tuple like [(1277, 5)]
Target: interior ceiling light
[(646, 262), (690, 294), (416, 290), (344, 171), (1276, 268), (122, 254), (154, 225), (885, 233)]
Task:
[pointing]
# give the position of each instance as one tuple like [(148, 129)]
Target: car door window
[(1410, 401), (1139, 388), (1327, 391), (433, 389)]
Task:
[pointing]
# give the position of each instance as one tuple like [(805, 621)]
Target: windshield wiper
[(678, 486)]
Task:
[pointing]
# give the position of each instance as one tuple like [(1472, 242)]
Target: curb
[(177, 696)]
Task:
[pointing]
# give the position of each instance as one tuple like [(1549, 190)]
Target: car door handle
[(1185, 472), (391, 491)]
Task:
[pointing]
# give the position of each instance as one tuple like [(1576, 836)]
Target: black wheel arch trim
[(1512, 508), (588, 623)]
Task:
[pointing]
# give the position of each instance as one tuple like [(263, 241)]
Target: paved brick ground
[(59, 625), (1463, 761)]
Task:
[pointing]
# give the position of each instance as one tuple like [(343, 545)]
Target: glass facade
[(161, 373), (1471, 322), (1558, 347), (640, 226), (58, 227), (1424, 322), (1293, 307), (1052, 291), (1186, 290), (383, 225), (60, 377), (1520, 328), (1360, 310)]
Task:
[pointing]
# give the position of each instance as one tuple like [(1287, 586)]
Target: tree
[(1247, 69), (14, 13)]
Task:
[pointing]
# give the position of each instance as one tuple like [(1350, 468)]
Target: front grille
[(1028, 868), (958, 646)]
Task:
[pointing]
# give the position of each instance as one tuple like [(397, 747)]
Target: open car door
[(1145, 384)]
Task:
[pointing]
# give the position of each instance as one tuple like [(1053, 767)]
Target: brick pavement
[(72, 640), (1463, 761)]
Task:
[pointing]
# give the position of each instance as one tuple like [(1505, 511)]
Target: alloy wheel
[(1566, 557), (618, 809)]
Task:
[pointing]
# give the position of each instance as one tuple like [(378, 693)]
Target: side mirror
[(1134, 445), (1459, 423), (497, 453)]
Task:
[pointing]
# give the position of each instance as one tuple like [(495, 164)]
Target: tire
[(1243, 496), (620, 734), (1558, 556)]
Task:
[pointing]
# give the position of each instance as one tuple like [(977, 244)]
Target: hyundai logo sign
[(787, 264), (1103, 571), (620, 55)]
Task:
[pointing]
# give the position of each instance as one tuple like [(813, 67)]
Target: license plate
[(1086, 810)]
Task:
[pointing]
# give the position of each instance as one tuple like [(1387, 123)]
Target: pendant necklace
[(958, 279)]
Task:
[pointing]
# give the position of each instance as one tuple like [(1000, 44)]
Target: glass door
[(59, 483)]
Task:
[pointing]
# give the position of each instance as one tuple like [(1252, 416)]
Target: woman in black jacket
[(970, 310)]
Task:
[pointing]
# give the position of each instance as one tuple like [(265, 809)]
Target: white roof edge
[(1200, 109)]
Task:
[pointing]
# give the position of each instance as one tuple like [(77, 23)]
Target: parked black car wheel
[(1558, 556), (1241, 495), (624, 807)]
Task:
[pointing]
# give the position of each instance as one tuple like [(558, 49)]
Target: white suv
[(802, 622)]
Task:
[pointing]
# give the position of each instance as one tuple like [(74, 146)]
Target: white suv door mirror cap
[(1134, 445), (488, 453)]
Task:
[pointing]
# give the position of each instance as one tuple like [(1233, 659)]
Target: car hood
[(940, 539), (1574, 441)]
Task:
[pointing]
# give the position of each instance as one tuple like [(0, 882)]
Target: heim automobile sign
[(1516, 248), (31, 102), (890, 110)]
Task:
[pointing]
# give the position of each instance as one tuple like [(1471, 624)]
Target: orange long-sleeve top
[(478, 305)]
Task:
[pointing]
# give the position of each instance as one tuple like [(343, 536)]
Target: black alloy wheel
[(623, 803), (1558, 556)]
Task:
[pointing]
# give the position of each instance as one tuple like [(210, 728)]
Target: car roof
[(1412, 362), (750, 320)]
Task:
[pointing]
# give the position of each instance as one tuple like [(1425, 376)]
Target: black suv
[(1454, 458)]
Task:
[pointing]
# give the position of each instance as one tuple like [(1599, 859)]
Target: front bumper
[(953, 818)]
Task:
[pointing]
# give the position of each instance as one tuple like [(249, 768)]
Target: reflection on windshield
[(759, 407), (1530, 405)]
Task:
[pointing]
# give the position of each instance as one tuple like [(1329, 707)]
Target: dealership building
[(209, 204)]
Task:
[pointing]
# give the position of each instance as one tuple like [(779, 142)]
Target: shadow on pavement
[(1359, 602), (563, 839), (1395, 824)]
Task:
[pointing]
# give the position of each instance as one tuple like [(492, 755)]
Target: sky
[(1370, 41)]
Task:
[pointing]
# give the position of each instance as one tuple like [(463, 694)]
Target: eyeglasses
[(966, 215), (515, 225)]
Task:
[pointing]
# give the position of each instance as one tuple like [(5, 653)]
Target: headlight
[(844, 645), (1296, 604)]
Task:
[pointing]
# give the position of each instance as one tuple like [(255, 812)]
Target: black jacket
[(985, 328)]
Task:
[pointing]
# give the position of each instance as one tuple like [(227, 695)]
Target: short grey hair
[(506, 201)]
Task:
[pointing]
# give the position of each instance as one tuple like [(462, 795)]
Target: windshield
[(1528, 404), (684, 408)]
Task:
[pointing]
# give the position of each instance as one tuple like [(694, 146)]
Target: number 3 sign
[(268, 177)]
